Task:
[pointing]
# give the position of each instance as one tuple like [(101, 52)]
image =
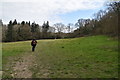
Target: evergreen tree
[(14, 22), (35, 30), (23, 22), (47, 25), (45, 28), (9, 36), (29, 23), (1, 23)]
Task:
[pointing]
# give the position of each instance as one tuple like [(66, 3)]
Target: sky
[(54, 11)]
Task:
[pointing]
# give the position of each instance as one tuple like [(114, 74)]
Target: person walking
[(33, 44)]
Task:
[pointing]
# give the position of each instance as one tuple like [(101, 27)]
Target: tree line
[(16, 31), (105, 22)]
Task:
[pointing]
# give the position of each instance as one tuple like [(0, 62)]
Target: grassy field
[(85, 57)]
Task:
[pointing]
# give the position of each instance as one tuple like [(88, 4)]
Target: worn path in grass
[(19, 61), (21, 67)]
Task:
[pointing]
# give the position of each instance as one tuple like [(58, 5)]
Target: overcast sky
[(54, 11)]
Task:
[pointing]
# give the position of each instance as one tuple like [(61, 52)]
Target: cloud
[(42, 10)]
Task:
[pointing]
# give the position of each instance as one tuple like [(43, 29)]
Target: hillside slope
[(85, 57)]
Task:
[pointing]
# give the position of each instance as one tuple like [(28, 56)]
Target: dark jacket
[(34, 43)]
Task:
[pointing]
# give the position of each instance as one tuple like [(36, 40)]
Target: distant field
[(85, 57)]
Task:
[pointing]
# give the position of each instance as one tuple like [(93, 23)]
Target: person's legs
[(33, 47)]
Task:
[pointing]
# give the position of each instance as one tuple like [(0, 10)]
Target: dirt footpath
[(23, 65)]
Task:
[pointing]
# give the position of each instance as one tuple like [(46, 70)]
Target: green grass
[(11, 51), (14, 49), (86, 57)]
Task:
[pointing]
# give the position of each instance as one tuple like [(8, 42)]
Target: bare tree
[(69, 27), (60, 28)]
